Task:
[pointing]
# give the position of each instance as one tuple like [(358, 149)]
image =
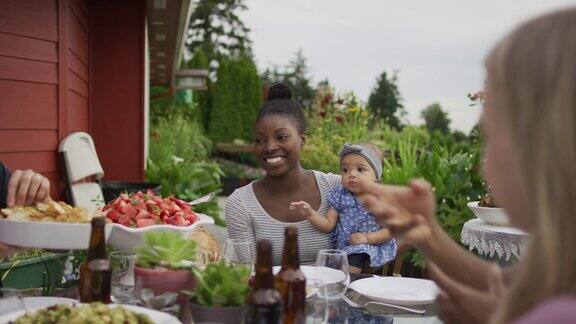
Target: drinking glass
[(11, 301), (239, 253), (122, 263), (332, 268)]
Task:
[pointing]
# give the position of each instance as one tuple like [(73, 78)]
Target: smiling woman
[(260, 210)]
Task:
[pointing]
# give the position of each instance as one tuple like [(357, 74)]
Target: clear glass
[(324, 310), (122, 263), (332, 268), (239, 253), (11, 301)]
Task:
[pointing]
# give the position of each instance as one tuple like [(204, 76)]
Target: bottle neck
[(97, 247), (290, 256), (264, 274)]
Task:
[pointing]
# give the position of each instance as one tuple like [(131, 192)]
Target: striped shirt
[(247, 220)]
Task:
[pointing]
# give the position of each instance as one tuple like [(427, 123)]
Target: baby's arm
[(377, 237), (323, 224)]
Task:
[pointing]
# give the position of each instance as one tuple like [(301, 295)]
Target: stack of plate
[(397, 290)]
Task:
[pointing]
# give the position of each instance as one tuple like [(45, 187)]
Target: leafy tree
[(295, 73), (236, 101), (215, 26), (202, 98), (436, 119), (385, 101)]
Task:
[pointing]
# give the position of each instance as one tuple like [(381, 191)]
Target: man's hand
[(358, 238), (27, 187)]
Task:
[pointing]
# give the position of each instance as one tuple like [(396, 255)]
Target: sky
[(437, 47)]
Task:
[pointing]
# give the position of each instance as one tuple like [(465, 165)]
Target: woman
[(260, 210), (529, 123)]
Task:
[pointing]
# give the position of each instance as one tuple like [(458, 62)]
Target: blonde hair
[(532, 79)]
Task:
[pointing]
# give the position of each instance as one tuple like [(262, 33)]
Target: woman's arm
[(324, 224), (410, 215), (239, 224)]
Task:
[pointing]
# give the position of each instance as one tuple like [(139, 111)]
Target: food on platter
[(488, 201), (90, 313), (147, 209), (53, 211)]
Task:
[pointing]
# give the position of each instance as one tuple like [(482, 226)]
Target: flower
[(177, 159)]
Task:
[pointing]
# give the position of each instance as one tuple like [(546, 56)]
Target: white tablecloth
[(491, 240)]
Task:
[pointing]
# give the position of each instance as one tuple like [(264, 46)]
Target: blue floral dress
[(353, 218)]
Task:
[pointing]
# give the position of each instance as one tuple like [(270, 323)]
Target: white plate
[(314, 275), (41, 302), (325, 274), (155, 316), (397, 290), (491, 215), (45, 235), (126, 238)]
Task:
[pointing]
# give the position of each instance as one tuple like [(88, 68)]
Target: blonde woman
[(529, 123)]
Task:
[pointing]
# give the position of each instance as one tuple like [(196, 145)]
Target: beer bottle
[(264, 301), (96, 272), (290, 280)]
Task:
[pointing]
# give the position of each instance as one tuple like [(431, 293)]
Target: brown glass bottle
[(96, 272), (290, 280), (264, 301)]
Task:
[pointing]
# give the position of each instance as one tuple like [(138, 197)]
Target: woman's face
[(277, 144), (501, 162)]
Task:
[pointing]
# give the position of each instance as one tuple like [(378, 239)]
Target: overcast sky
[(437, 47)]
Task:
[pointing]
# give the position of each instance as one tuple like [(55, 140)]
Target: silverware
[(363, 305), (203, 199)]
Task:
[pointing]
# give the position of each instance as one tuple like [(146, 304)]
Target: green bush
[(237, 100)]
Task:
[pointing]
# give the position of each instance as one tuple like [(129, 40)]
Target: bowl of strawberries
[(135, 213)]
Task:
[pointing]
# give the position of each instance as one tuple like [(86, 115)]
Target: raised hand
[(303, 208), (407, 211)]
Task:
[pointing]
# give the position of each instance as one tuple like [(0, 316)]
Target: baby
[(353, 229)]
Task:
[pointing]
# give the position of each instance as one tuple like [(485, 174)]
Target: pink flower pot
[(162, 280)]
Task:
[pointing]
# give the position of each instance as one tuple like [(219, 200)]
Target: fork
[(203, 199), (357, 305)]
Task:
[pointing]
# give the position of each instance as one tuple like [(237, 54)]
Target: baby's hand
[(358, 238), (302, 207)]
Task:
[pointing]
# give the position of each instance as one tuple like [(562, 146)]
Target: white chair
[(78, 154)]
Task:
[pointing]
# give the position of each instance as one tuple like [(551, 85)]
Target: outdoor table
[(504, 244)]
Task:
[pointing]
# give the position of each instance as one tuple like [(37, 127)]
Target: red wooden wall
[(66, 66), (118, 87), (44, 80)]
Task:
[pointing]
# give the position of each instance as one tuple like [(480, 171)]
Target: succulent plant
[(166, 249)]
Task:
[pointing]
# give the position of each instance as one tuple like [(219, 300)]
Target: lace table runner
[(491, 240)]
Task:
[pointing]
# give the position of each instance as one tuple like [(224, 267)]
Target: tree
[(236, 102), (202, 98), (216, 28), (436, 119), (385, 101), (295, 73)]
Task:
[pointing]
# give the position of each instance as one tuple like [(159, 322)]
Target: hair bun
[(280, 91)]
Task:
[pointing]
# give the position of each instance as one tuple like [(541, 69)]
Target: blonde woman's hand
[(303, 208), (409, 212), (27, 187), (459, 303), (358, 238)]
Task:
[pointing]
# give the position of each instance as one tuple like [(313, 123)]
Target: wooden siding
[(44, 81)]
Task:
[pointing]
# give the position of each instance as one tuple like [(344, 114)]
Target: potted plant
[(220, 293), (163, 267)]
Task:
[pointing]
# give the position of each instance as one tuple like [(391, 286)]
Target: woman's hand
[(459, 303), (303, 208), (358, 238), (409, 212), (27, 187)]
